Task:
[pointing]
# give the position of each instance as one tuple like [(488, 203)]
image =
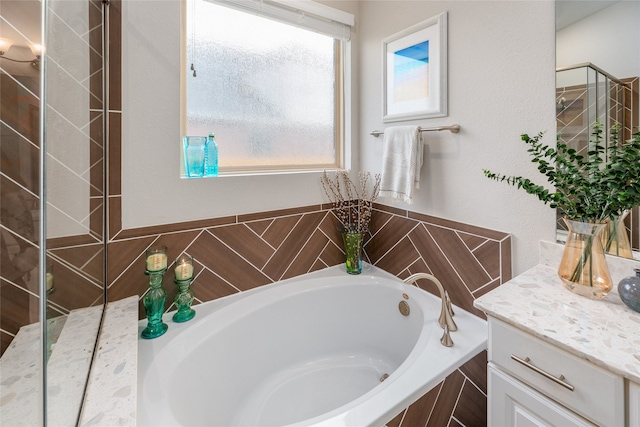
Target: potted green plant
[(589, 190)]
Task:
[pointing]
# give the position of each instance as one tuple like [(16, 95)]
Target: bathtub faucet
[(446, 313)]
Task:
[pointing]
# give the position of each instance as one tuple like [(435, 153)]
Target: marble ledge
[(605, 333), (71, 340), (69, 365), (111, 398)]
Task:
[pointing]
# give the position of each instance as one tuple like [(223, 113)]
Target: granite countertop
[(111, 397), (111, 393), (72, 340), (605, 332)]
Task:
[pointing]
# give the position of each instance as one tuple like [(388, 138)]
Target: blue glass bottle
[(211, 156)]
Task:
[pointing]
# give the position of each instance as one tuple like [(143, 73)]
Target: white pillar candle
[(184, 271), (49, 281), (156, 262)]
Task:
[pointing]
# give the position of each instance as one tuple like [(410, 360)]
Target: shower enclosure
[(586, 95), (53, 129)]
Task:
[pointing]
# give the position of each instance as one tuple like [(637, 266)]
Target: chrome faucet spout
[(446, 313)]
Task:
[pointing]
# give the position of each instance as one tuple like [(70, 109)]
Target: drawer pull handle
[(558, 380)]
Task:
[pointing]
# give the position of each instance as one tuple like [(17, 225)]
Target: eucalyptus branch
[(601, 185), (352, 204)]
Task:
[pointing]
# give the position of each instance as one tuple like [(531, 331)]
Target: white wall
[(501, 84), (609, 39), (152, 192)]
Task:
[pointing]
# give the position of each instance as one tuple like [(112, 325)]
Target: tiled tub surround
[(400, 242), (234, 254), (238, 253)]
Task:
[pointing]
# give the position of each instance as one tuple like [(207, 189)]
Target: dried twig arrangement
[(352, 205)]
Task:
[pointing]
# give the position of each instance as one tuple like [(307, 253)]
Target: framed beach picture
[(415, 71)]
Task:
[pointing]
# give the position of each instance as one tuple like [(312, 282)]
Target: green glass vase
[(353, 252), (153, 302)]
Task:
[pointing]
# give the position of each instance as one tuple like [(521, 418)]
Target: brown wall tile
[(173, 228), (292, 245), (115, 55), (19, 307), (208, 286), (471, 409), (307, 256), (19, 159), (447, 399), (114, 209), (245, 242), (120, 255), (388, 236), (233, 257), (279, 229), (226, 263), (279, 213), (114, 153), (476, 371)]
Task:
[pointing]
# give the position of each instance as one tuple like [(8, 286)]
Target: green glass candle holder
[(183, 300), (154, 299), (153, 302)]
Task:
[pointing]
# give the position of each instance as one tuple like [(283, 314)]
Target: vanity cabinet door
[(584, 388), (512, 404), (634, 405)]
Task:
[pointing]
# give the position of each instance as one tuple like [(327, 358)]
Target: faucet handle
[(446, 338), (446, 315), (446, 294)]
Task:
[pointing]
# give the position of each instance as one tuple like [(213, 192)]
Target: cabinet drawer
[(584, 388), (512, 404)]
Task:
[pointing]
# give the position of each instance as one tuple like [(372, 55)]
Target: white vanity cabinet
[(557, 358), (634, 405), (533, 383)]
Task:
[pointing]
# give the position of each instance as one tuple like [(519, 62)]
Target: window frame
[(342, 93)]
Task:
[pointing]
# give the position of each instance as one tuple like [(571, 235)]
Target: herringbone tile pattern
[(236, 254)]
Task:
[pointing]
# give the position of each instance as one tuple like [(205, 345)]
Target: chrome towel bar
[(452, 128)]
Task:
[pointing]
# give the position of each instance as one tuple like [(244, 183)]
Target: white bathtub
[(301, 352)]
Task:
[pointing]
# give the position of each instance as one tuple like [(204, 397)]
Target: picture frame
[(414, 64)]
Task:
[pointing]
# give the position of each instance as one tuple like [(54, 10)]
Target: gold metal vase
[(583, 267)]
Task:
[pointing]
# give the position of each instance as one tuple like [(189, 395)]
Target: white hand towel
[(402, 154)]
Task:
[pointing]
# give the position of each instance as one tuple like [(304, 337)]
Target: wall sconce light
[(36, 50), (5, 44)]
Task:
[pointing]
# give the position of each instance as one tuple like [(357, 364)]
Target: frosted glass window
[(267, 90)]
